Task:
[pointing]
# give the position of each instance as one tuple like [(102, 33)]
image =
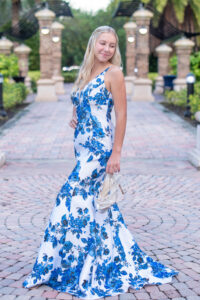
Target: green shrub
[(195, 64), (173, 65), (13, 94), (195, 99), (153, 76), (9, 65), (70, 76), (176, 98), (180, 99), (34, 76)]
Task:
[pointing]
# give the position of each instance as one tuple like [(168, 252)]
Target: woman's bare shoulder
[(115, 73)]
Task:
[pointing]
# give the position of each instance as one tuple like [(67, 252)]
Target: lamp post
[(2, 111), (190, 80)]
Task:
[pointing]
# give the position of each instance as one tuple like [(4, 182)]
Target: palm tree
[(16, 6), (180, 8)]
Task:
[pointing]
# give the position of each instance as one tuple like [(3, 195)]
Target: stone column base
[(142, 90), (59, 84), (179, 84), (194, 157), (2, 159), (28, 82), (46, 90), (159, 87), (197, 116), (129, 82)]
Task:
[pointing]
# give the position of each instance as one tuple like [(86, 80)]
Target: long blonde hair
[(88, 61)]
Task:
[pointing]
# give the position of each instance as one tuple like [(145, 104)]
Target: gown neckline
[(95, 78)]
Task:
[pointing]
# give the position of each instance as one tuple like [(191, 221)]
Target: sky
[(89, 5)]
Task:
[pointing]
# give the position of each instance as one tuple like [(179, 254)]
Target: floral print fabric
[(85, 252)]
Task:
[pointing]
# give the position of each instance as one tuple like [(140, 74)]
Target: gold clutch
[(111, 191)]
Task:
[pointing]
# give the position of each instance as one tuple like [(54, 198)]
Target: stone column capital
[(184, 44), (163, 49), (130, 26), (22, 49), (5, 45), (45, 14), (57, 26), (142, 16)]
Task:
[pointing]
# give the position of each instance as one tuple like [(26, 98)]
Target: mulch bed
[(12, 112), (180, 112)]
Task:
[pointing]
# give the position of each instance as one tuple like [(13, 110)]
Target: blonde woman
[(86, 252)]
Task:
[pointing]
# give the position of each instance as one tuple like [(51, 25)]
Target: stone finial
[(130, 26), (5, 45), (45, 14), (184, 43), (142, 14), (22, 49), (57, 25), (163, 48)]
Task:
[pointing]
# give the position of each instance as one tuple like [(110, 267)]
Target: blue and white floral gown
[(85, 252)]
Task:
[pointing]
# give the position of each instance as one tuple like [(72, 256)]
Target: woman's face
[(105, 47)]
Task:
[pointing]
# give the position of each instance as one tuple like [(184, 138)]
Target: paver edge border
[(174, 117), (10, 123)]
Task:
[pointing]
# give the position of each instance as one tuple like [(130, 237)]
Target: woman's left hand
[(113, 164)]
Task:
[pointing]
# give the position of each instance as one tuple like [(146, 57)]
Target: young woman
[(86, 252)]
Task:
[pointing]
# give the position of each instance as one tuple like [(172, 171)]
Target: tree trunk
[(16, 4)]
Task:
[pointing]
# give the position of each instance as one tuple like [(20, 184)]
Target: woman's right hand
[(73, 122)]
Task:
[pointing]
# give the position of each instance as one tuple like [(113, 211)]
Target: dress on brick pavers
[(85, 252)]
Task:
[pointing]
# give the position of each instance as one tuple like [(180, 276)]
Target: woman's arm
[(118, 90), (73, 121)]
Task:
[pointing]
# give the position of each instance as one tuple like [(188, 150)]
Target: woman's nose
[(107, 47)]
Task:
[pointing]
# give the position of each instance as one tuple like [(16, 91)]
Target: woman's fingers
[(112, 168), (73, 123)]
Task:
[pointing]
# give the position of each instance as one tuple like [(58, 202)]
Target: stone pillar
[(22, 53), (194, 155), (142, 85), (130, 29), (57, 54), (183, 49), (163, 52), (5, 46), (45, 85)]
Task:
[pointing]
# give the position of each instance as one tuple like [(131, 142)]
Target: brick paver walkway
[(161, 208)]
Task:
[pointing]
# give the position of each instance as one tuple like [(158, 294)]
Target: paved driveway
[(161, 208)]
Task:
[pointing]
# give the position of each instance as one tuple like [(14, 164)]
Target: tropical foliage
[(179, 7)]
